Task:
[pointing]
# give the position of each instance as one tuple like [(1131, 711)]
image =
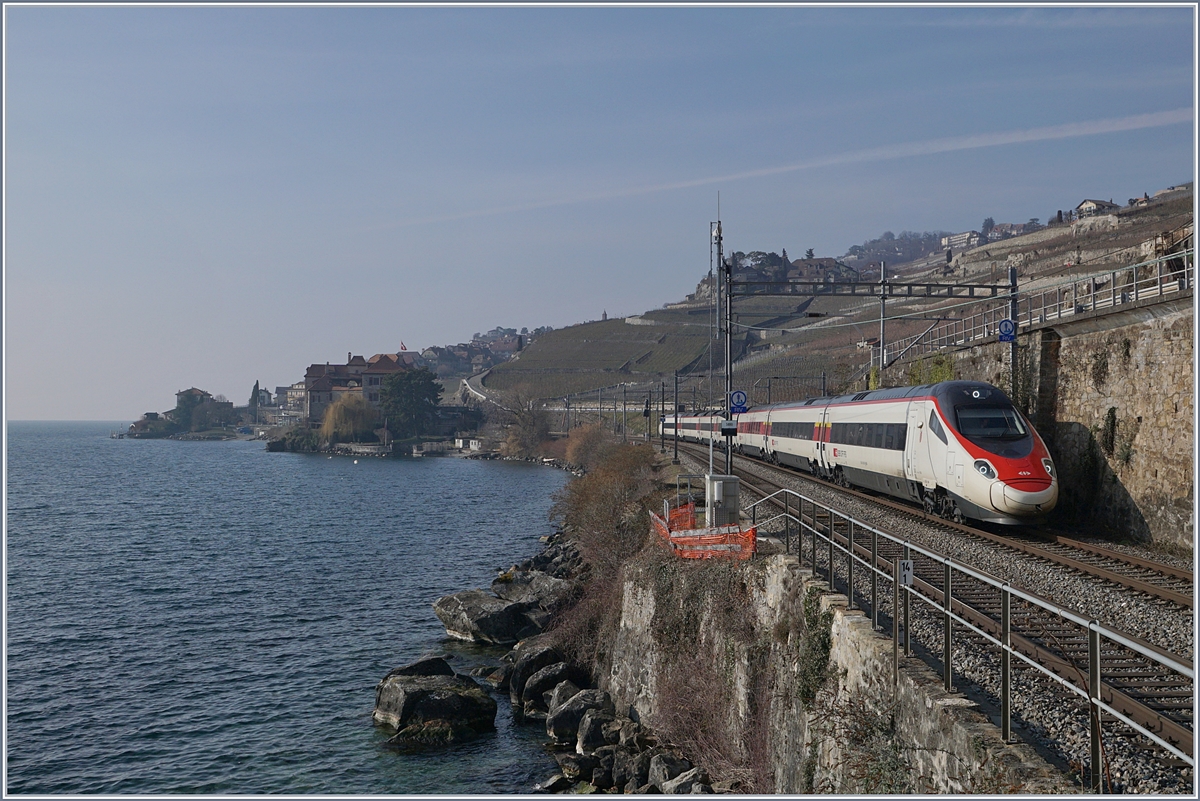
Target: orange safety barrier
[(730, 542), (683, 517)]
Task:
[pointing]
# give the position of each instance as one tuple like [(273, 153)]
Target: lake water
[(192, 617)]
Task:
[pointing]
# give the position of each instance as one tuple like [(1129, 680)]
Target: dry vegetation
[(605, 512)]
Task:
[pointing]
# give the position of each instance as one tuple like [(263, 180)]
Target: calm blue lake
[(191, 617)]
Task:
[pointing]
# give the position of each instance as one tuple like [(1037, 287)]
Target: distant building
[(380, 366), (964, 241), (821, 270), (1091, 208), (1006, 230), (199, 394)]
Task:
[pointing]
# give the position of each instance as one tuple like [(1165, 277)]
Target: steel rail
[(1152, 723), (1157, 591)]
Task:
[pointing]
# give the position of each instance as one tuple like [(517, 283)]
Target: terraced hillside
[(592, 355), (783, 345)]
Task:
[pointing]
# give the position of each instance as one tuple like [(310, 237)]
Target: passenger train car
[(959, 448)]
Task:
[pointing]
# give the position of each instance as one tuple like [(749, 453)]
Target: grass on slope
[(599, 354)]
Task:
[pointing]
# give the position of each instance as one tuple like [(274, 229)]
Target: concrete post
[(947, 626), (1094, 694), (1005, 664)]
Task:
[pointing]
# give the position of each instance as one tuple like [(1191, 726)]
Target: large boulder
[(558, 783), (576, 766), (533, 587), (629, 766), (427, 666), (479, 617), (563, 722), (592, 733), (498, 677), (562, 692), (664, 767), (529, 660), (686, 782), (560, 558), (433, 709), (602, 774), (533, 696)]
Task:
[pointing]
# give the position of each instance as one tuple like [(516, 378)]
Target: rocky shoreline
[(597, 748)]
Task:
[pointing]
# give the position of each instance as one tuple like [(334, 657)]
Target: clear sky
[(209, 196)]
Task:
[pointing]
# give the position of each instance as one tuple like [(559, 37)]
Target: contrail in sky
[(885, 153)]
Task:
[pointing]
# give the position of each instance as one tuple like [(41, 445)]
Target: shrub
[(348, 419), (587, 446), (605, 513), (299, 438)]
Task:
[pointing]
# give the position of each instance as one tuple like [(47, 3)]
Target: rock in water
[(562, 692), (563, 723), (528, 662), (545, 680), (433, 710), (429, 666), (533, 586), (476, 616), (591, 734)]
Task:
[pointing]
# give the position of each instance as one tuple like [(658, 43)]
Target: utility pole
[(624, 416), (662, 415), (1013, 312), (882, 317), (729, 363), (728, 353), (675, 428), (647, 412)]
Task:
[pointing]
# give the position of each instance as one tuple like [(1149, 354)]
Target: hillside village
[(645, 347), (304, 402)]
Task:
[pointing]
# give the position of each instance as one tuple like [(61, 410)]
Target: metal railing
[(1158, 278), (818, 521)]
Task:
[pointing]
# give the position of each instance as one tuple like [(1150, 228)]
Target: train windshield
[(992, 423), (998, 429)]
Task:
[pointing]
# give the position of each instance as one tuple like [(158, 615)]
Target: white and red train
[(959, 448)]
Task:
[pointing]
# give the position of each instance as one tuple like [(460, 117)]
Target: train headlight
[(985, 468), (1049, 465)]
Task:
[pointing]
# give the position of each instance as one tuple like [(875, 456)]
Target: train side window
[(902, 438), (889, 436), (880, 430), (935, 426)]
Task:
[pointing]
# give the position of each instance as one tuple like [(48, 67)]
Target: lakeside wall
[(789, 681)]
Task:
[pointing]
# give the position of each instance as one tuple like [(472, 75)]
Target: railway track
[(1135, 685), (1157, 580)]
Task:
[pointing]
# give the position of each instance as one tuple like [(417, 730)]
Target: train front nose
[(1025, 496)]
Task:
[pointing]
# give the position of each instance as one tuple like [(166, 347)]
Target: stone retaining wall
[(1113, 398), (929, 740)]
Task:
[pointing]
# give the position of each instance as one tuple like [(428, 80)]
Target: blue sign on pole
[(737, 402), (1008, 331)]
